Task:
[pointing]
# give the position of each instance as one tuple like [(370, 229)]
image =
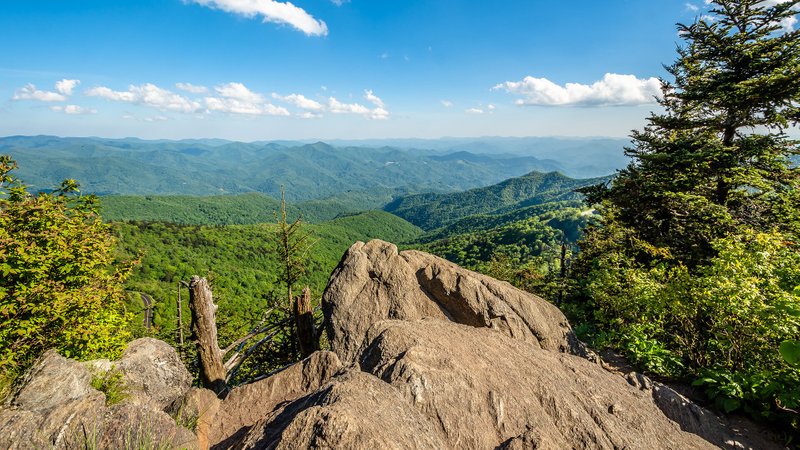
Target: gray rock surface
[(374, 282), (197, 410), (483, 389), (55, 406), (153, 372), (427, 355), (353, 411), (725, 432), (248, 404), (36, 390)]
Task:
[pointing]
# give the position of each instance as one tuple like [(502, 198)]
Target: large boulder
[(374, 282), (483, 389), (353, 411), (53, 381), (248, 404), (153, 372), (55, 406)]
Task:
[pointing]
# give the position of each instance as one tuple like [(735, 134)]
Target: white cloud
[(155, 119), (314, 109), (109, 94), (234, 106), (236, 98), (337, 107), (300, 101), (374, 99), (150, 95), (340, 2), (447, 103), (189, 87), (66, 86), (474, 111), (384, 55), (612, 90), (29, 92), (692, 7), (238, 91), (491, 107), (309, 115), (379, 114), (271, 11), (788, 23), (73, 109)]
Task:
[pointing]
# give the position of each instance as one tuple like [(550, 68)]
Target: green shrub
[(58, 286), (112, 384)]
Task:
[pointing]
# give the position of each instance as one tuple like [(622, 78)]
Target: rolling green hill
[(307, 171), (431, 211), (238, 209)]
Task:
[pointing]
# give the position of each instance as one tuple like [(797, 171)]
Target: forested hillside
[(241, 261), (235, 209), (693, 270), (431, 211)]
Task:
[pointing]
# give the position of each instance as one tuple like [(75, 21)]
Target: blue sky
[(265, 69)]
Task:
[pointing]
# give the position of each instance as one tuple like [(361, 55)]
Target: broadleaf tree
[(59, 285)]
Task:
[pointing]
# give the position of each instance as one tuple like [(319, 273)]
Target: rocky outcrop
[(246, 405), (352, 411), (153, 372), (425, 355), (374, 282), (37, 390), (513, 392), (55, 405), (731, 432)]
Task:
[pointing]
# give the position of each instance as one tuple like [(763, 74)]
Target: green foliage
[(431, 211), (647, 352), (790, 350), (292, 245), (694, 265), (243, 267), (59, 287), (188, 418), (112, 384), (242, 209)]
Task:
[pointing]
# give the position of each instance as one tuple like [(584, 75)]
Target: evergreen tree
[(718, 158)]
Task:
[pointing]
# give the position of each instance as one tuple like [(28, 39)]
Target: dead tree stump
[(304, 319), (204, 333)]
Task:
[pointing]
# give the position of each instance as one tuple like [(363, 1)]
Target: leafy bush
[(58, 286), (723, 326)]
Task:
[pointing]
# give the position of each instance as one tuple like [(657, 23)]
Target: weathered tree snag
[(204, 333), (180, 317), (304, 318)]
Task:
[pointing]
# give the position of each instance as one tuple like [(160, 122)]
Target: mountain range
[(305, 170)]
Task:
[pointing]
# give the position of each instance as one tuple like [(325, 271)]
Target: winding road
[(147, 301)]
